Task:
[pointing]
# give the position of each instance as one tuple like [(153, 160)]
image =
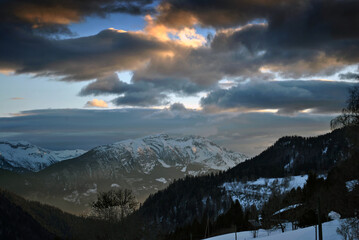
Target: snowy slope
[(22, 156), (144, 154), (257, 192), (329, 233)]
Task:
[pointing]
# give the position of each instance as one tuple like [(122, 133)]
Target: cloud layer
[(47, 16), (287, 96), (250, 133)]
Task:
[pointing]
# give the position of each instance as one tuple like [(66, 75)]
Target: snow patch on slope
[(162, 180), (351, 184), (257, 192), (287, 208)]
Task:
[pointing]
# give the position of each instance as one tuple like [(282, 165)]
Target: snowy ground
[(329, 233), (257, 192)]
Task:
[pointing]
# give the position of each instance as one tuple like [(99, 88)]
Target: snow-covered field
[(329, 233)]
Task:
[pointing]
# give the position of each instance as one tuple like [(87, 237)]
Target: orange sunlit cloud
[(6, 71), (186, 36), (41, 15), (97, 103)]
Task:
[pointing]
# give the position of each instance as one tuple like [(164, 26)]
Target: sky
[(77, 74)]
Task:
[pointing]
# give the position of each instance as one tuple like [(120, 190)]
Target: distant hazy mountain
[(22, 156), (144, 165)]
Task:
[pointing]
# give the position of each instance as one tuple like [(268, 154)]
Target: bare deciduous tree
[(114, 205), (350, 114), (349, 229)]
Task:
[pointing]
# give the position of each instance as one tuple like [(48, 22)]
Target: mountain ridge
[(144, 165), (22, 156)]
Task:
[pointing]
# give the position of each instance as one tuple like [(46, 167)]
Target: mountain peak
[(23, 156), (144, 154)]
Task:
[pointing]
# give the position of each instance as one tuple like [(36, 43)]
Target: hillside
[(190, 198), (23, 219), (297, 155), (15, 223)]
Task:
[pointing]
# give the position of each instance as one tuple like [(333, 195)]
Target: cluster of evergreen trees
[(235, 219)]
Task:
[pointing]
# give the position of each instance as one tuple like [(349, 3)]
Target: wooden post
[(206, 234), (235, 233), (320, 230)]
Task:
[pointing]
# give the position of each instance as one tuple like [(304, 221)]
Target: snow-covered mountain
[(21, 156), (144, 154), (144, 165)]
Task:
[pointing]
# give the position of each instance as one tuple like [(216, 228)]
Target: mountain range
[(144, 165)]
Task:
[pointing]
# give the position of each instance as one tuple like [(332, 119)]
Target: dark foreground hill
[(15, 223), (23, 219)]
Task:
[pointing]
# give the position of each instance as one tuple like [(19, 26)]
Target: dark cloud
[(297, 38), (142, 92), (178, 107), (250, 133), (192, 70), (231, 13), (54, 16), (349, 76), (256, 52), (108, 85), (139, 93), (76, 59), (224, 13), (249, 37), (113, 85), (287, 96), (142, 99)]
